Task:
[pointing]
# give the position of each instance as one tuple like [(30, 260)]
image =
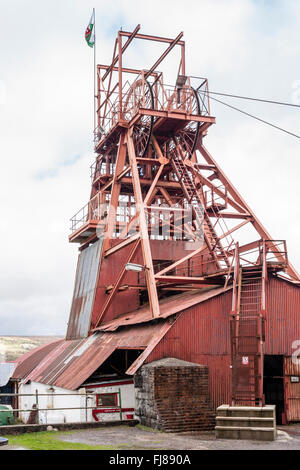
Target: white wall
[(80, 398), (51, 416), (127, 401)]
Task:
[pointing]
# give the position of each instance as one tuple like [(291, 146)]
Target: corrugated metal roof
[(86, 276), (28, 361), (169, 306), (72, 362)]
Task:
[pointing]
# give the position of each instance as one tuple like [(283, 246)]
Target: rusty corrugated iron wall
[(84, 291), (201, 334), (292, 389), (283, 317)]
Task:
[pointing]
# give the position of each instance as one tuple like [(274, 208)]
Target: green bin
[(6, 417)]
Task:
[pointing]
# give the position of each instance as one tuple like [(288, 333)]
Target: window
[(107, 399)]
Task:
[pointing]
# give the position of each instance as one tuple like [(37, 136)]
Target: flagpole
[(95, 119)]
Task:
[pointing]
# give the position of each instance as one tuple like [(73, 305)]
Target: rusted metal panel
[(201, 334), (282, 316), (54, 363), (169, 306), (85, 283), (292, 388), (155, 340), (27, 362), (72, 362), (125, 301)]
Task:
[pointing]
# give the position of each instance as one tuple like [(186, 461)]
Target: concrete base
[(246, 422)]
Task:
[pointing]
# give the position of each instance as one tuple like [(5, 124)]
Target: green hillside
[(12, 347)]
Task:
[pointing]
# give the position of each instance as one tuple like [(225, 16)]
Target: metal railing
[(274, 252), (92, 211), (35, 406), (166, 98)]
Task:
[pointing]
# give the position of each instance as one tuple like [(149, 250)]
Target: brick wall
[(173, 395)]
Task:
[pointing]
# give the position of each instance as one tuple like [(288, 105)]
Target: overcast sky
[(249, 47)]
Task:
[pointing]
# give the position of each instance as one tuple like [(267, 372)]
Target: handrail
[(166, 98)]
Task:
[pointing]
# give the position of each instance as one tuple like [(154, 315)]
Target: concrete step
[(267, 411), (245, 421), (250, 433)]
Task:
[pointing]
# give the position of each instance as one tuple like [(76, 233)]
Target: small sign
[(245, 360), (295, 379)]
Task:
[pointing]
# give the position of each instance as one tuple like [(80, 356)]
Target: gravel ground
[(138, 438)]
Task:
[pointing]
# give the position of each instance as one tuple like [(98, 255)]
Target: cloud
[(46, 123)]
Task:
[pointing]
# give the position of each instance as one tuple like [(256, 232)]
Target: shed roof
[(71, 362), (28, 361)]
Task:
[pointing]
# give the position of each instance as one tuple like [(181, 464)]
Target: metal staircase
[(186, 179)]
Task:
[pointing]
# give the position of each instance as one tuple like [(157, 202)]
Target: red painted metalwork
[(168, 307), (202, 334), (150, 154)]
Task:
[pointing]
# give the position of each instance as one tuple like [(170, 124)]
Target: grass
[(50, 441), (46, 440)]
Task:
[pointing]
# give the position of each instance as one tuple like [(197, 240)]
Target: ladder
[(247, 336)]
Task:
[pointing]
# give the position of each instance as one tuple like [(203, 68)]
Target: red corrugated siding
[(125, 300), (283, 317), (202, 335), (292, 390)]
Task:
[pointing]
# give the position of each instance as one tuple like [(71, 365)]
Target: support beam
[(163, 56), (117, 284), (121, 245), (131, 36), (182, 260), (115, 193), (238, 198), (146, 249)]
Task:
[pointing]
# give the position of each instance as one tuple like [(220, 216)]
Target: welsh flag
[(90, 31)]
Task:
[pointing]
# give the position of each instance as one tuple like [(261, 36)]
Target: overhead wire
[(252, 115), (282, 103)]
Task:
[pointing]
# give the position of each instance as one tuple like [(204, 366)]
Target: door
[(274, 385)]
